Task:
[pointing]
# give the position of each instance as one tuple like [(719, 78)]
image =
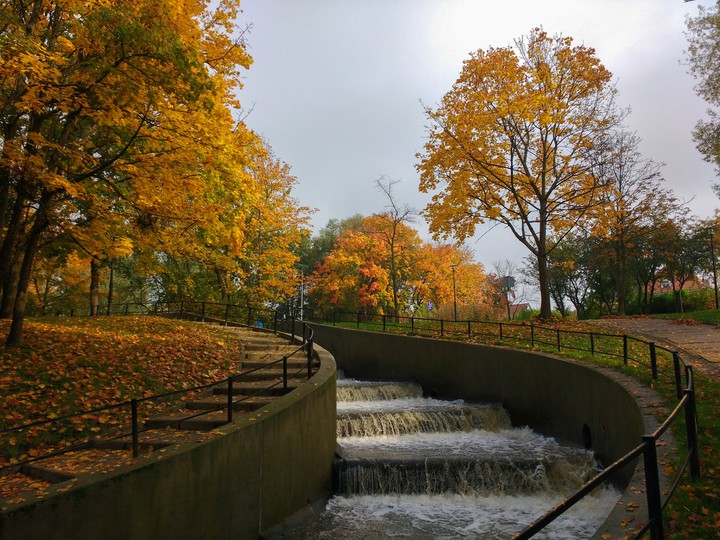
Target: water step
[(428, 419), (374, 391), (442, 475)]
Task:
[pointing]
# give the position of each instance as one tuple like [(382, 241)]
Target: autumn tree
[(633, 203), (512, 143), (109, 101), (703, 56)]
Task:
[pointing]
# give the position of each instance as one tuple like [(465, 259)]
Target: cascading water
[(422, 468)]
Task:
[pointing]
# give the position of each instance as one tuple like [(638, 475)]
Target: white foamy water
[(452, 517)]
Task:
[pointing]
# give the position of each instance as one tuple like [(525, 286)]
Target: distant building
[(516, 309)]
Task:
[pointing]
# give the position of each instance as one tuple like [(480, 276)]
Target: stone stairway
[(259, 381)]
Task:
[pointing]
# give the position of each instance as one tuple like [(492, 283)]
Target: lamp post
[(454, 292), (714, 268), (508, 282)]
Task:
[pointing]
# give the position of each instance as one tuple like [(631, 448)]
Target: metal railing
[(97, 418), (596, 343)]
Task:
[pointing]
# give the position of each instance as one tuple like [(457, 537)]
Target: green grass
[(708, 316)]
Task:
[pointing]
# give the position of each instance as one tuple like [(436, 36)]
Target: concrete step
[(248, 404), (188, 420)]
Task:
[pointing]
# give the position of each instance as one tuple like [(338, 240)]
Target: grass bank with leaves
[(69, 365)]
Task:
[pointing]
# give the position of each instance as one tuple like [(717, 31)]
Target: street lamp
[(454, 291), (508, 282), (714, 268)]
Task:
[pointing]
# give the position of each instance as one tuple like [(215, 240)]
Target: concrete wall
[(267, 466), (555, 397)]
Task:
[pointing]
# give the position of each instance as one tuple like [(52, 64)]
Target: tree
[(109, 101), (704, 59), (685, 256), (633, 203), (512, 143)]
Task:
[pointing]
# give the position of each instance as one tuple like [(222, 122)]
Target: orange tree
[(512, 143), (113, 107)]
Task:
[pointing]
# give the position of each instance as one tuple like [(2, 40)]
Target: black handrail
[(533, 333), (184, 310)]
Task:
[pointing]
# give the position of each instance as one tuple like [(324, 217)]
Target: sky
[(337, 89)]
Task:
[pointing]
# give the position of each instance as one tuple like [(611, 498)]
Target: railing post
[(384, 322), (72, 312), (249, 319), (442, 328), (358, 318), (559, 346), (203, 312), (691, 428), (309, 357), (285, 378), (230, 399), (126, 308), (134, 426), (652, 486), (592, 343), (469, 331), (412, 325), (625, 349), (292, 329), (227, 313), (678, 377), (653, 361), (501, 332), (532, 335)]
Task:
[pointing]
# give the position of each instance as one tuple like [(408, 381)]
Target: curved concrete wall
[(266, 467), (566, 400)]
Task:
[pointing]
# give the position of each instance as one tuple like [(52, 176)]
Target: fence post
[(383, 322), (592, 343), (442, 328), (691, 428), (532, 335), (652, 485), (230, 399), (412, 325), (134, 424), (126, 308), (309, 356), (358, 319), (203, 312), (653, 361), (72, 312), (285, 366), (227, 313), (558, 340), (625, 349), (501, 332), (469, 331), (678, 377)]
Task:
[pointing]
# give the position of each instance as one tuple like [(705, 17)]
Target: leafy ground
[(72, 364), (68, 365)]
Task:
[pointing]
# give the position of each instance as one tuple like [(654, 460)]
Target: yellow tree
[(119, 100), (511, 143)]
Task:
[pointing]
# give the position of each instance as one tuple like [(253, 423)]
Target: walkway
[(699, 344)]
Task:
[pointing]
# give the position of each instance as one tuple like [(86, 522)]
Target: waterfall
[(414, 467)]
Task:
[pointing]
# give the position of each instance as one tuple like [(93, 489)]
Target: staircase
[(259, 380)]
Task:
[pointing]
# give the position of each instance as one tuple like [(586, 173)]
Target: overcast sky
[(336, 89)]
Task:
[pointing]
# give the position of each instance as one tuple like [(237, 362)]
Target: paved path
[(700, 344)]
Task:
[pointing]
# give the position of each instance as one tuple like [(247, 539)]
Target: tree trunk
[(94, 286), (31, 245), (111, 285), (545, 307), (10, 258)]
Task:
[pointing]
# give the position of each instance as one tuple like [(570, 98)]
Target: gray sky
[(337, 85)]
